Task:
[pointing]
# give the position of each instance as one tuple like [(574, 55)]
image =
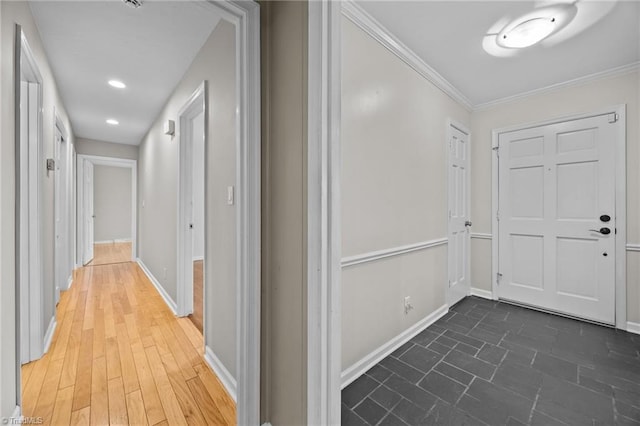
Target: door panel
[(555, 182), (459, 285)]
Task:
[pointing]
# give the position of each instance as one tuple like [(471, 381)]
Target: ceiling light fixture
[(117, 84), (112, 122), (527, 33), (507, 37), (133, 3)]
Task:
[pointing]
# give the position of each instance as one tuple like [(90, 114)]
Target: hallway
[(119, 356)]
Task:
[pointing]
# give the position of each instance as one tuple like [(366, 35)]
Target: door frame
[(451, 123), (324, 241), (621, 203), (196, 104), (35, 335), (66, 253), (110, 162), (245, 16)]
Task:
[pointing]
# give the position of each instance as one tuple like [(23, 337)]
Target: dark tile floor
[(493, 363)]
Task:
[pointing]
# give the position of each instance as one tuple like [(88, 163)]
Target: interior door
[(557, 218), (59, 258), (25, 338), (88, 212), (459, 221)]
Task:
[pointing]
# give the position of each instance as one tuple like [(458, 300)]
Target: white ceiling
[(448, 36), (149, 49)]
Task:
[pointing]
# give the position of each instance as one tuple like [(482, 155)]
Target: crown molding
[(380, 33), (624, 69), (375, 29)]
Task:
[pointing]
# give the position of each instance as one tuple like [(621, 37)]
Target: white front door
[(459, 222), (557, 219)]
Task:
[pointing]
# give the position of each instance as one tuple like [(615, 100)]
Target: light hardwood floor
[(119, 356), (107, 253), (196, 316)]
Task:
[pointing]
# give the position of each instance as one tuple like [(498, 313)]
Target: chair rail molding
[(390, 252)]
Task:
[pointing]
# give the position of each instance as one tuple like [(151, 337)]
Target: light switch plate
[(230, 195)]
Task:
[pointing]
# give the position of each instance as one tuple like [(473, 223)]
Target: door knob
[(603, 231), (467, 223)]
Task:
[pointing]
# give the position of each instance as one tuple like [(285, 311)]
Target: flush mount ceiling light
[(133, 3), (527, 33), (117, 84), (507, 37), (112, 122)]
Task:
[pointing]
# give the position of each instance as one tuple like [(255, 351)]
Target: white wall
[(10, 14), (158, 186), (198, 186), (106, 149), (584, 98), (394, 193), (112, 203)]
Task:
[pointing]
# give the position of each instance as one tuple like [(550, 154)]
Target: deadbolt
[(605, 254), (605, 218)]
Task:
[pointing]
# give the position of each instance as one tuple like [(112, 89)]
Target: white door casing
[(29, 267), (195, 106), (61, 215), (458, 212), (88, 213), (555, 183)]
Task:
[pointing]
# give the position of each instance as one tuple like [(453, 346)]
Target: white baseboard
[(48, 336), (197, 258), (118, 240), (485, 294), (633, 327), (360, 367), (163, 293), (17, 413), (266, 424), (227, 380), (69, 281)]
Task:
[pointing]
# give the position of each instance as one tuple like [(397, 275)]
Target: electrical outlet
[(407, 305)]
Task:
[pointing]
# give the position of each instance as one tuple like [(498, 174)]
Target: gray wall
[(158, 191), (106, 149), (112, 203), (10, 14), (583, 98), (284, 183), (394, 192)]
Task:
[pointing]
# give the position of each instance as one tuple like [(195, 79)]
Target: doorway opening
[(192, 210), (107, 203)]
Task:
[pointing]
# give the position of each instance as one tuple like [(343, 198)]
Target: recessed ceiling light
[(117, 84), (527, 33), (112, 122)]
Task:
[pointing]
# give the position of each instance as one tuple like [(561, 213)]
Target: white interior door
[(25, 339), (88, 212), (60, 260), (459, 221), (557, 218)]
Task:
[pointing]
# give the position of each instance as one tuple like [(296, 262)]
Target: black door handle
[(605, 218), (603, 231)]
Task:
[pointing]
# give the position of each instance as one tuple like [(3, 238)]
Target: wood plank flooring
[(196, 316), (119, 356), (107, 253)]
